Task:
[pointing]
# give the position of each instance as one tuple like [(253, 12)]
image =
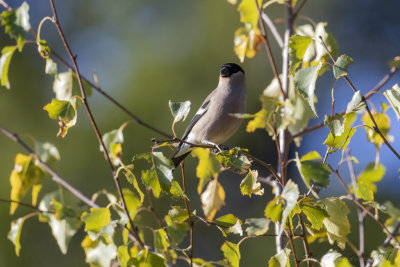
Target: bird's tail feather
[(177, 160)]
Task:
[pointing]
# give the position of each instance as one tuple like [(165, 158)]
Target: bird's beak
[(224, 72)]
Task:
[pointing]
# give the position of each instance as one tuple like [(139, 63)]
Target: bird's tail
[(178, 159), (180, 154)]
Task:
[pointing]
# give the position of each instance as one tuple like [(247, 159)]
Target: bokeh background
[(148, 52)]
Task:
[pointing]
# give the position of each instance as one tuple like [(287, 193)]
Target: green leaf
[(305, 80), (341, 142), (112, 141), (335, 124), (393, 96), (310, 156), (234, 159), (257, 226), (24, 175), (249, 12), (249, 184), (66, 85), (383, 122), (176, 190), (64, 112), (149, 178), (385, 257), (161, 242), (5, 59), (315, 215), (273, 210), (16, 23), (14, 234), (314, 173), (97, 219), (395, 62), (123, 256), (231, 253), (47, 152), (98, 253), (290, 194), (212, 199), (366, 188), (337, 224), (207, 168), (146, 258), (281, 259), (229, 223), (63, 219), (341, 65), (179, 110), (132, 179), (356, 103), (177, 228), (178, 214), (132, 201), (298, 46)]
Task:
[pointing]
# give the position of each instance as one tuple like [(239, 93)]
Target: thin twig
[(364, 209), (376, 127), (290, 235), (188, 212), (296, 13), (21, 204), (305, 241), (94, 125), (268, 48), (273, 29), (359, 211), (56, 178)]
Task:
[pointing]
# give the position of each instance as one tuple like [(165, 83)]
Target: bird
[(214, 123)]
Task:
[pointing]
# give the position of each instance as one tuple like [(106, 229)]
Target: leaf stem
[(191, 224)]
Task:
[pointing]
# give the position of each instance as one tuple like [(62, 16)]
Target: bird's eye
[(225, 72)]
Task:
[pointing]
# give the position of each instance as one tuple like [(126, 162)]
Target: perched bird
[(213, 123)]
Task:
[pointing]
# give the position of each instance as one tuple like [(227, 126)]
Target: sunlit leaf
[(366, 188), (161, 242), (298, 46), (64, 112), (395, 62), (24, 175), (229, 223), (207, 168), (98, 253), (356, 103), (66, 85), (249, 12), (146, 258), (337, 224), (176, 190), (112, 141), (51, 67), (257, 226), (281, 259), (149, 178), (341, 65), (290, 194), (231, 253), (14, 235), (393, 96), (179, 110), (335, 124), (305, 80), (249, 184), (132, 201), (310, 156), (383, 122), (234, 159), (385, 257), (127, 170), (177, 228), (97, 219), (334, 259), (123, 256), (315, 215), (5, 59), (62, 218), (212, 199), (274, 209), (16, 23), (247, 42), (314, 173), (340, 142)]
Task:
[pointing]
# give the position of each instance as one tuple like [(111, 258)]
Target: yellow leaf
[(213, 198), (249, 12), (383, 122), (23, 177), (208, 166), (247, 42)]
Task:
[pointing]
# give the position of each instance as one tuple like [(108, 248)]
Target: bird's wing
[(200, 113)]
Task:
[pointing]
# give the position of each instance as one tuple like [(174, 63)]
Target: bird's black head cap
[(230, 68)]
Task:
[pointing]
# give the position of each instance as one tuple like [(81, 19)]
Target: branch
[(305, 241), (268, 48), (359, 211), (94, 125), (191, 224), (364, 209), (273, 29), (56, 178), (22, 204)]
